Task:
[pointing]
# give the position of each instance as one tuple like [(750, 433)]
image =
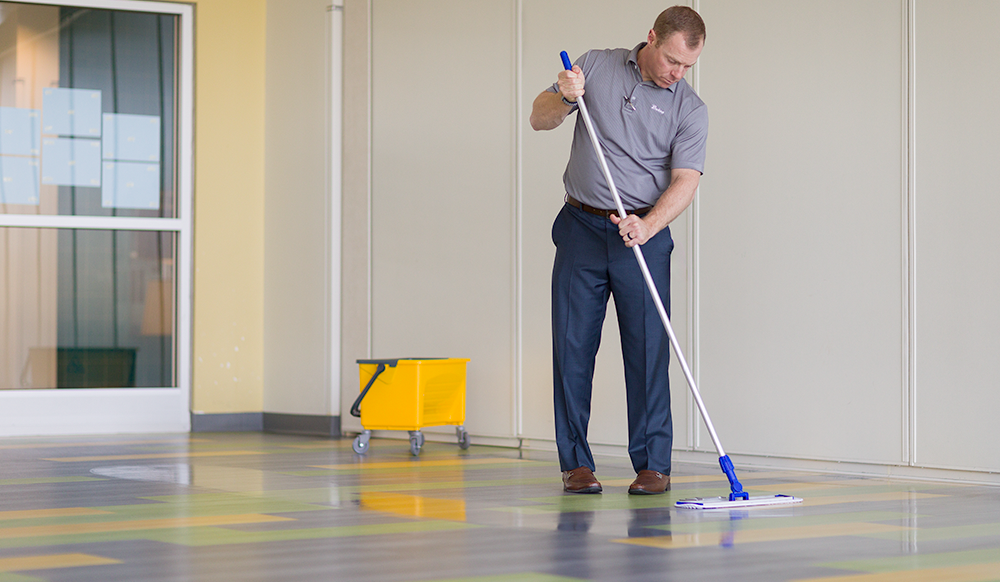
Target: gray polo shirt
[(645, 131)]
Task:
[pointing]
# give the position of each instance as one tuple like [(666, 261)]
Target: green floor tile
[(609, 500), (387, 487), (69, 539), (416, 467), (749, 522), (213, 536), (173, 506), (947, 533), (861, 490), (212, 504)]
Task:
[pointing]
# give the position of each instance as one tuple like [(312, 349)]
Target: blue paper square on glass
[(131, 185), (20, 131), (71, 112), (18, 180), (133, 138), (71, 162)]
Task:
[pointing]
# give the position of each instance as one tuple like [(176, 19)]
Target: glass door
[(95, 217)]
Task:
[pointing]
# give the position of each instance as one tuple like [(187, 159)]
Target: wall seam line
[(910, 183), (693, 281), (518, 420)]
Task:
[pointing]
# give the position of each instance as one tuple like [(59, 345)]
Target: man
[(653, 130)]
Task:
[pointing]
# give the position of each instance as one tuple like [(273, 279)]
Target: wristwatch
[(567, 101)]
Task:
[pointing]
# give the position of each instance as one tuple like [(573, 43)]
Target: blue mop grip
[(566, 62), (734, 483)]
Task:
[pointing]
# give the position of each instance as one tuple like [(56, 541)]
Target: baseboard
[(760, 462), (307, 424), (867, 470), (228, 422)]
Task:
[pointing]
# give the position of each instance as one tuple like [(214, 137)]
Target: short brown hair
[(680, 19)]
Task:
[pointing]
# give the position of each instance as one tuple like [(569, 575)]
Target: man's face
[(667, 62)]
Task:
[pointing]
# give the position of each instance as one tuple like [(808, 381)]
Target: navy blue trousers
[(592, 264)]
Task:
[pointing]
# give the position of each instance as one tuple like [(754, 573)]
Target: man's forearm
[(674, 200), (548, 111)]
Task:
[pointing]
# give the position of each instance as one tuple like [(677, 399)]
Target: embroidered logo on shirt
[(658, 110)]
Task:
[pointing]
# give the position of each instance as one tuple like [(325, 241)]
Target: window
[(94, 227)]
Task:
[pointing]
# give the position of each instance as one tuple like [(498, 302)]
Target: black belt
[(600, 211)]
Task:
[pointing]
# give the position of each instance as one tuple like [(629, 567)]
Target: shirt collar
[(633, 58)]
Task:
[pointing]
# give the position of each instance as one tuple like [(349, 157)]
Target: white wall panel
[(355, 280), (296, 228), (801, 228), (839, 250), (443, 193), (957, 208), (576, 26)]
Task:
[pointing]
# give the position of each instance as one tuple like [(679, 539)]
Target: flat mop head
[(738, 498), (726, 503)]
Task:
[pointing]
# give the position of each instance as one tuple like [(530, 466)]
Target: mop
[(737, 497)]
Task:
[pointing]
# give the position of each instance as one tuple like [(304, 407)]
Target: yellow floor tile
[(56, 512), (414, 506), (46, 562)]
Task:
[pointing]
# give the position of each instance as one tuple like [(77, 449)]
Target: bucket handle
[(356, 407)]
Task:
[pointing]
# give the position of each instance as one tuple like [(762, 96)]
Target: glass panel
[(86, 308), (87, 111)]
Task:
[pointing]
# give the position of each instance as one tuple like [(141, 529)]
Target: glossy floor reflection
[(275, 507)]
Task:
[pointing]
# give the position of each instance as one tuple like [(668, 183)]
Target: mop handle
[(645, 269)]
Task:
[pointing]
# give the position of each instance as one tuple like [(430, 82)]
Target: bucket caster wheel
[(360, 444), (463, 437), (416, 442)]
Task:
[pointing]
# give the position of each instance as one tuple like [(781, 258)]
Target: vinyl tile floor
[(252, 506)]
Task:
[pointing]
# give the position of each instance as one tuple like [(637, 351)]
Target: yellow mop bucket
[(409, 394)]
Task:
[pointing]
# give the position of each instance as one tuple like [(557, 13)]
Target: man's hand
[(571, 83), (633, 230), (677, 197)]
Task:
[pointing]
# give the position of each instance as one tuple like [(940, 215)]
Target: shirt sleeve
[(688, 150)]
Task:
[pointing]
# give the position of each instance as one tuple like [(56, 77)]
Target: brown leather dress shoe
[(580, 480), (649, 483)]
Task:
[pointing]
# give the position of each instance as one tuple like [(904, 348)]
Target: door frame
[(103, 411)]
